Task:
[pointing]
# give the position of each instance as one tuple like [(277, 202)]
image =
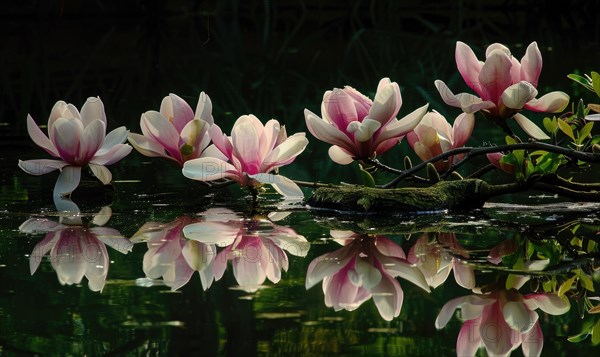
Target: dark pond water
[(112, 273)]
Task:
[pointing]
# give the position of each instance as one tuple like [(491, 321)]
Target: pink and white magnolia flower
[(77, 140), (254, 150), (505, 86), (434, 136), (501, 321), (76, 250), (495, 158), (255, 246), (436, 259), (365, 267), (172, 257), (359, 128), (176, 132)]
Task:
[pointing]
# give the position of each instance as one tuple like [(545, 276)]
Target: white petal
[(67, 181), (101, 172), (281, 184), (207, 169), (530, 128)]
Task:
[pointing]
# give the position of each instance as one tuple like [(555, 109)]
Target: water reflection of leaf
[(75, 250), (365, 267)]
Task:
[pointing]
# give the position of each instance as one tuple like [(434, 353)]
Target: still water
[(120, 277)]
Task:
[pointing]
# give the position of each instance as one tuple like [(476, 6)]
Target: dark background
[(272, 59)]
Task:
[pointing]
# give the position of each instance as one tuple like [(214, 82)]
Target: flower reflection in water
[(75, 249), (501, 320), (364, 268), (437, 258), (171, 256), (256, 247)]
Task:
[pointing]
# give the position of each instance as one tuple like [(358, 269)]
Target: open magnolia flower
[(172, 257), (365, 267), (501, 320), (434, 136), (255, 246), (75, 250), (359, 128), (77, 139), (176, 132), (505, 86), (254, 150), (436, 259)]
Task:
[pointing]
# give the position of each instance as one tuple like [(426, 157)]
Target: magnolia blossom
[(172, 257), (77, 139), (253, 150), (359, 128), (176, 132), (255, 246), (436, 259), (505, 86), (501, 321), (495, 159), (76, 250), (364, 268), (434, 136)]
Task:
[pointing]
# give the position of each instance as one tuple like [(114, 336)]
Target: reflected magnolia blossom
[(365, 267), (436, 259), (76, 250), (172, 257), (501, 320), (256, 247)]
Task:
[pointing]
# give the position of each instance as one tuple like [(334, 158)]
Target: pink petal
[(115, 154), (92, 109), (553, 102), (495, 76), (245, 140), (114, 137), (41, 166), (549, 303), (469, 339), (155, 126), (530, 128), (41, 249), (66, 135), (533, 341), (463, 274), (387, 102), (91, 140), (221, 141), (67, 258), (285, 152), (402, 126), (468, 65), (327, 132), (531, 64), (39, 138), (327, 265), (147, 147), (271, 134), (388, 297), (177, 111), (496, 335), (204, 109), (340, 108), (447, 96), (208, 169), (389, 248), (340, 156), (462, 129), (67, 181)]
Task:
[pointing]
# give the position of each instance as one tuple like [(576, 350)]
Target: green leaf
[(596, 333), (550, 124), (585, 131), (510, 140), (566, 128), (366, 177), (586, 281), (566, 286), (581, 80), (578, 338), (596, 82)]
